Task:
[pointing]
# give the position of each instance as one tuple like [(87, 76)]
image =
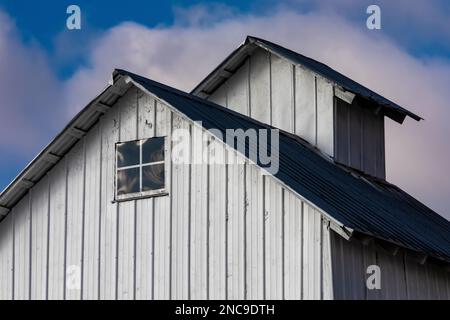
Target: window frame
[(141, 194)]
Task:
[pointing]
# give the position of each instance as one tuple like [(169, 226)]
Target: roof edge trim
[(336, 225), (392, 110)]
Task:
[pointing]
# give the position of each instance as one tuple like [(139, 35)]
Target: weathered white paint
[(327, 264), (74, 222), (220, 95), (254, 233), (57, 234), (199, 226), (39, 239), (6, 257), (293, 239), (90, 266), (180, 225), (221, 232), (145, 213), (273, 236), (108, 211), (22, 250), (236, 224), (127, 209), (305, 105), (325, 116), (273, 90), (402, 276), (237, 93), (312, 259), (260, 86), (282, 88), (217, 227), (163, 218)]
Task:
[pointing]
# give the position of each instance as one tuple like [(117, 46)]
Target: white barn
[(103, 213)]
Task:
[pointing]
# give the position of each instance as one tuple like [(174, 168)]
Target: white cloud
[(182, 54), (28, 92)]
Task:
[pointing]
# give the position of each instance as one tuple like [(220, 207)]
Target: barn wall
[(402, 276), (223, 232), (274, 91), (360, 138)]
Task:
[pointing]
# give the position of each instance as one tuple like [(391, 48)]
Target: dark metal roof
[(215, 78), (362, 203), (359, 202)]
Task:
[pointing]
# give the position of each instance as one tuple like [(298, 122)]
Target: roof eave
[(48, 158), (214, 79)]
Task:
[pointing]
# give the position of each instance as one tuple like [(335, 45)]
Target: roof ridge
[(391, 108), (339, 194), (367, 178)]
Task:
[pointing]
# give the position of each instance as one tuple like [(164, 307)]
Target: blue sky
[(52, 72)]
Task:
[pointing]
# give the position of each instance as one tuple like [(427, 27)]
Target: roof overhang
[(83, 122), (230, 65), (344, 231), (60, 145)]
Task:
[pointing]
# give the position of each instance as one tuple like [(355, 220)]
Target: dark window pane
[(153, 150), (128, 154), (127, 181), (153, 177)]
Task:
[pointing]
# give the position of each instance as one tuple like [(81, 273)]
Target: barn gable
[(221, 232), (362, 203), (275, 85)]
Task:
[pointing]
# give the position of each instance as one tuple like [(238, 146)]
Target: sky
[(49, 73)]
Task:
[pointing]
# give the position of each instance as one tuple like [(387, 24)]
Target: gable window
[(140, 168)]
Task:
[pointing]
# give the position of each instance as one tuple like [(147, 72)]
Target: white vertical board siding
[(144, 209), (360, 137), (90, 270), (260, 86), (6, 257), (199, 219), (282, 93), (325, 116), (312, 260), (237, 90), (254, 233), (22, 262), (293, 236), (327, 266), (39, 233), (273, 216), (305, 104), (220, 95), (108, 214), (370, 257), (217, 224), (402, 276), (180, 202), (236, 223), (223, 231), (392, 275), (127, 209), (352, 268), (56, 251), (163, 213), (273, 90), (74, 223)]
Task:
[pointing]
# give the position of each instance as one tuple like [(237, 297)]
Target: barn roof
[(358, 202), (236, 58)]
